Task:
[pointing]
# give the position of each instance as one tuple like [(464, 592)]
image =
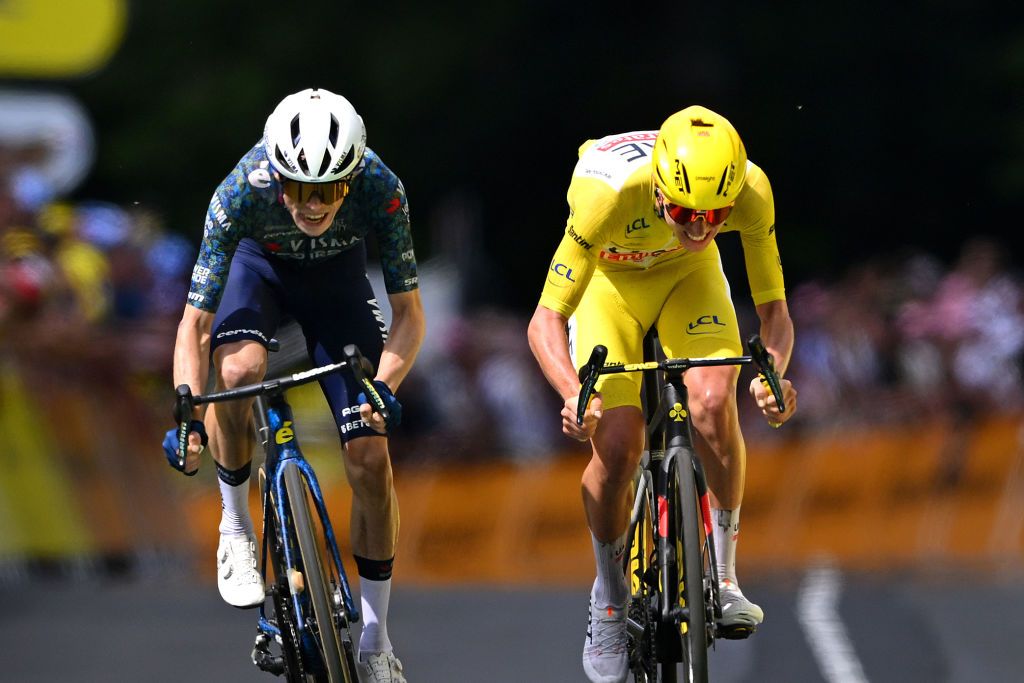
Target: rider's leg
[(342, 309), (718, 440), (374, 503), (722, 451), (617, 446), (374, 532), (699, 320), (606, 315), (248, 316), (229, 425)]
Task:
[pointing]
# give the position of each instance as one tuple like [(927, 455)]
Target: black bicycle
[(671, 564), (308, 636)]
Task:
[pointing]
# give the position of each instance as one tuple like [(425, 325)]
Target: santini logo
[(578, 239)]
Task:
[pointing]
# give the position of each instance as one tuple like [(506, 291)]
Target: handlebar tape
[(362, 368), (766, 364), (588, 378)]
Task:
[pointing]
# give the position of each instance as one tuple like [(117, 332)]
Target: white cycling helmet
[(315, 136)]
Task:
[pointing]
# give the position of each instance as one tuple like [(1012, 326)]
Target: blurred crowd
[(906, 338), (98, 285), (94, 287)]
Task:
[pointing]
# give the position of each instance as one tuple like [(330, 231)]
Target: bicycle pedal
[(738, 632), (264, 659)]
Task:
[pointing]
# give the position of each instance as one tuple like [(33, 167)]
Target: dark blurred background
[(880, 125), (894, 141)]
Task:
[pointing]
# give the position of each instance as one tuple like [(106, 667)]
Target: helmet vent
[(325, 164), (295, 131), (721, 183), (281, 158), (682, 177), (335, 128), (302, 163), (345, 161)]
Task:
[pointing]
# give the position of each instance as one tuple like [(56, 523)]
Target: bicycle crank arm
[(634, 628), (678, 615)]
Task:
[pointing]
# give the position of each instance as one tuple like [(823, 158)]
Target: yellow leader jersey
[(614, 223)]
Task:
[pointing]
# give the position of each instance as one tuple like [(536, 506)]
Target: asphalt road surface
[(820, 626)]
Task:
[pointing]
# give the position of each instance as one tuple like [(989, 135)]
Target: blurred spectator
[(901, 338), (488, 398), (73, 275)]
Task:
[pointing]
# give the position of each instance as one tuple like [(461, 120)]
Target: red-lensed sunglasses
[(682, 215), (300, 192)]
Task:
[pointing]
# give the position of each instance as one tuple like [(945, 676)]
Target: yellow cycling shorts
[(687, 298)]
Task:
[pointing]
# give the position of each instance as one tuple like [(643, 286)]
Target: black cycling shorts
[(332, 301)]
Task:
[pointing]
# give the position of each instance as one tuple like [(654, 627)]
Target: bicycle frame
[(675, 440), (284, 468), (669, 437), (274, 424), (673, 491)]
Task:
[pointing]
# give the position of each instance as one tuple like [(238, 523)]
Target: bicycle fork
[(679, 453)]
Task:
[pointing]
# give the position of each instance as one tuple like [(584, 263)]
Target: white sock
[(234, 516), (727, 533), (610, 586), (374, 597)]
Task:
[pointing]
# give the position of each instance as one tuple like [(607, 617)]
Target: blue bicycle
[(308, 636)]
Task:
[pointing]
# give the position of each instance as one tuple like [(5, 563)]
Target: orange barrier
[(867, 500), (922, 494)]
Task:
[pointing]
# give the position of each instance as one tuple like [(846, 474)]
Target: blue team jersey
[(248, 203)]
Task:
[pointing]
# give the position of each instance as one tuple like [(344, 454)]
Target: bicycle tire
[(316, 583), (687, 526), (283, 617), (639, 570)]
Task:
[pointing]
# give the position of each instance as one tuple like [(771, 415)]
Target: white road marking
[(816, 610)]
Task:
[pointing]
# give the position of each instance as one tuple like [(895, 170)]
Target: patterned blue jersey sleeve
[(384, 207), (226, 224)]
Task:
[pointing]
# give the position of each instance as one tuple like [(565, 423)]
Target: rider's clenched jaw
[(312, 216)]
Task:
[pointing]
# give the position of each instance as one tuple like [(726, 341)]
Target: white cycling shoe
[(739, 615), (604, 651), (238, 579), (381, 667)]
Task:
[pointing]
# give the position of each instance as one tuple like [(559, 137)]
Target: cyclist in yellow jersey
[(639, 250)]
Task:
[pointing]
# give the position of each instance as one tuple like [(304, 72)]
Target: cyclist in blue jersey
[(285, 239)]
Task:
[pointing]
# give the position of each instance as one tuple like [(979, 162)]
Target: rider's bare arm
[(550, 346), (404, 339), (192, 349), (777, 332), (191, 367)]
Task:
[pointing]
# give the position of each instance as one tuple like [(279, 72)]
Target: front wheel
[(641, 574), (315, 583), (689, 538), (284, 615)]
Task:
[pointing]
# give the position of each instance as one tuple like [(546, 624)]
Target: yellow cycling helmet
[(699, 159)]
